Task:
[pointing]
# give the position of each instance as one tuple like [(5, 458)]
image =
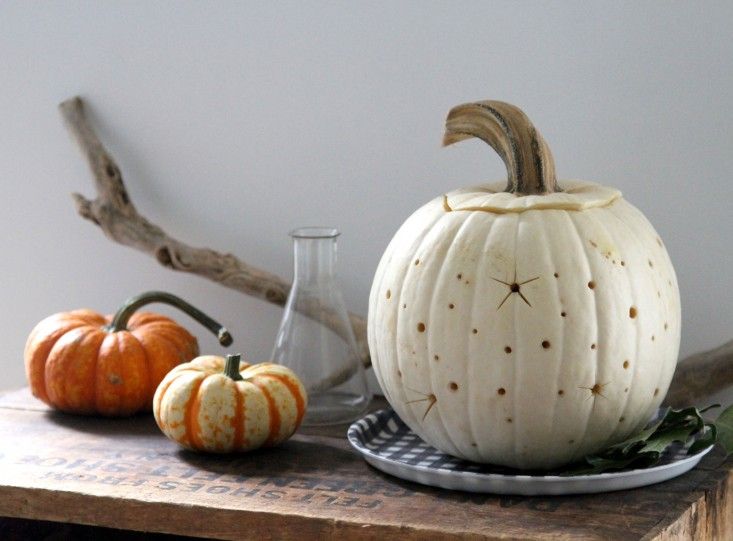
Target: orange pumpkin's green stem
[(119, 322), (528, 160), (231, 368)]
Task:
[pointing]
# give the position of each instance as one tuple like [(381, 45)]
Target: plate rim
[(524, 478)]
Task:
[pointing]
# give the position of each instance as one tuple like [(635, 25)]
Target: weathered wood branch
[(697, 377), (701, 375), (114, 212)]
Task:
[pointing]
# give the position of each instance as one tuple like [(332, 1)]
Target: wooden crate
[(124, 474)]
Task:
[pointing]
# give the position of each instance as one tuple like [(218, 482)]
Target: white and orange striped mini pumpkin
[(224, 405)]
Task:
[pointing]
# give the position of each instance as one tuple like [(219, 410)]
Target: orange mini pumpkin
[(219, 405), (87, 363)]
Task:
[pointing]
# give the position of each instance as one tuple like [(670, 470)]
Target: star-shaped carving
[(514, 287), (596, 389), (430, 398)]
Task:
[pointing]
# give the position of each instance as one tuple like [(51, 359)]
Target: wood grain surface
[(124, 474)]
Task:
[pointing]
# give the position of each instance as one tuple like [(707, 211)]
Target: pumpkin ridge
[(471, 381), (159, 393), (96, 337), (274, 421), (36, 354), (465, 226), (420, 420), (612, 436), (191, 417), (399, 298), (579, 441), (239, 417), (95, 386), (294, 390), (515, 375), (150, 385), (560, 339), (56, 359), (637, 348)]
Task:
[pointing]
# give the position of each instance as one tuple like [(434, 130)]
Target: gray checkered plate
[(390, 446)]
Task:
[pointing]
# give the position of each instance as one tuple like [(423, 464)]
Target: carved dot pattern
[(501, 391), (633, 312), (453, 386), (421, 327), (507, 350), (546, 344)]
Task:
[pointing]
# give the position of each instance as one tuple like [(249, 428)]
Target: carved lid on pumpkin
[(576, 195)]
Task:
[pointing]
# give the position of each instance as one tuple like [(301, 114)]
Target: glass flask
[(315, 338)]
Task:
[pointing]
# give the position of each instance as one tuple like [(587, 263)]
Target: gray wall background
[(235, 122)]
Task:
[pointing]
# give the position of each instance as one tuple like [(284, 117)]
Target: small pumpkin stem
[(529, 162), (231, 368), (119, 322)]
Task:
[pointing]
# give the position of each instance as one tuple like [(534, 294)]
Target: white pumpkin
[(524, 325)]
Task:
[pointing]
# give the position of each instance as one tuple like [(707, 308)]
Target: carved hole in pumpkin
[(563, 314), (507, 350), (623, 263), (421, 327), (621, 419), (475, 331), (459, 276), (659, 294), (561, 392), (399, 373), (626, 364), (508, 419), (389, 294), (592, 284), (571, 442), (417, 262), (593, 346), (453, 386), (651, 264), (404, 306), (633, 312), (666, 326), (451, 306), (626, 390), (501, 391), (556, 275), (593, 244), (436, 357), (653, 338), (656, 392), (473, 444), (546, 344)]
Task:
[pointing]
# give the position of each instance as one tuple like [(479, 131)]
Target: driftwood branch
[(113, 211), (697, 377), (701, 375)]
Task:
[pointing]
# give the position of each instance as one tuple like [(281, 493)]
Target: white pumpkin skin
[(576, 360)]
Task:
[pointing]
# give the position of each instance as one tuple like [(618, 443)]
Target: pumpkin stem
[(231, 368), (510, 133), (119, 322)]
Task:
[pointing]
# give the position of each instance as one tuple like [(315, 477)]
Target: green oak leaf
[(724, 424), (642, 450)]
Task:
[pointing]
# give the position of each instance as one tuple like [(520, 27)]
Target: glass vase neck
[(314, 255)]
